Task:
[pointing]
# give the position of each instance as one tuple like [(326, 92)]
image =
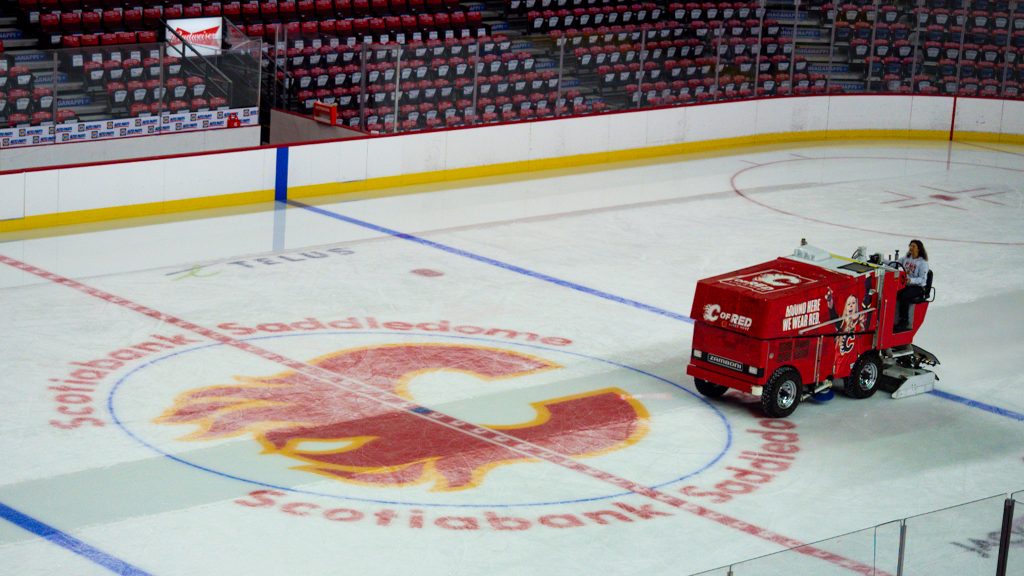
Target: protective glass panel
[(98, 91), (836, 556), (1015, 557), (959, 540)]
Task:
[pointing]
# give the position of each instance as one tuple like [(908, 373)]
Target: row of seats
[(944, 67), (766, 48), (20, 118), (618, 75), (349, 108), (676, 93), (107, 39), (25, 101), (695, 12), (985, 70), (589, 36), (424, 101), (860, 14), (522, 6), (152, 93), (319, 54), (446, 70), (588, 58), (269, 10), (460, 24), (934, 51), (623, 14), (969, 86), (307, 10), (974, 19), (993, 5), (845, 32), (998, 36), (96, 72), (17, 77)]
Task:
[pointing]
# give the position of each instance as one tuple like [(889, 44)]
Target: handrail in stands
[(185, 43)]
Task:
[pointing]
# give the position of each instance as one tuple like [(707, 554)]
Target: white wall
[(70, 189), (125, 148), (42, 192)]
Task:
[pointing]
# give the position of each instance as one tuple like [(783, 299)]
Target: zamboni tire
[(781, 394), (708, 389), (863, 380)]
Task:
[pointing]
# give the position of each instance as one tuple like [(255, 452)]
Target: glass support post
[(641, 72), (871, 58), (792, 50), (561, 71), (1006, 49), (717, 43), (362, 85), (760, 37), (963, 38), (918, 47), (477, 61), (398, 83), (832, 49)]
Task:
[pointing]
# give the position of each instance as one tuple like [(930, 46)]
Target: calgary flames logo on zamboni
[(798, 325)]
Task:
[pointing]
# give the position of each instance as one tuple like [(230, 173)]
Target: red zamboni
[(793, 327)]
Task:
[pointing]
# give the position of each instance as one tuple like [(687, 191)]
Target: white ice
[(592, 272)]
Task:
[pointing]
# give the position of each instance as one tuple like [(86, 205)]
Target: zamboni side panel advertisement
[(781, 313)]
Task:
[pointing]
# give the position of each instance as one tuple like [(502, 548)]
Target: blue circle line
[(121, 425)]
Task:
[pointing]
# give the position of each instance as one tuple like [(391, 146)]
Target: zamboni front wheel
[(708, 389), (863, 380), (781, 394)]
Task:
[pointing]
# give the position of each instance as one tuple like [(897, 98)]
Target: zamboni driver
[(916, 265)]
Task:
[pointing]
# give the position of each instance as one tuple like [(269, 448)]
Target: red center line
[(476, 431)]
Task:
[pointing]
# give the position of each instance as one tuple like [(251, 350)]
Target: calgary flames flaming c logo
[(342, 435)]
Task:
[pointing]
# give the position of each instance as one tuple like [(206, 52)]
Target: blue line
[(281, 176), (591, 291), (65, 540), (980, 405), (497, 263)]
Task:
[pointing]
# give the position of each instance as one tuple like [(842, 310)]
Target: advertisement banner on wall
[(204, 34), (167, 123)]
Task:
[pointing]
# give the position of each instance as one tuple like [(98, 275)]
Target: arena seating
[(453, 68)]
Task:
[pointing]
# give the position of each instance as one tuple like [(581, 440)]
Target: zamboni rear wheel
[(781, 394), (708, 389)]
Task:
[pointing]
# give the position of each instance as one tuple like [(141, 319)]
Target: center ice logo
[(344, 436)]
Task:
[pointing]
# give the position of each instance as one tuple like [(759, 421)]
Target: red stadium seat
[(92, 21), (113, 20), (287, 10), (232, 11), (49, 23)]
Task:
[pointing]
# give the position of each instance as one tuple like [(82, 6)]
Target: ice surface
[(229, 396)]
